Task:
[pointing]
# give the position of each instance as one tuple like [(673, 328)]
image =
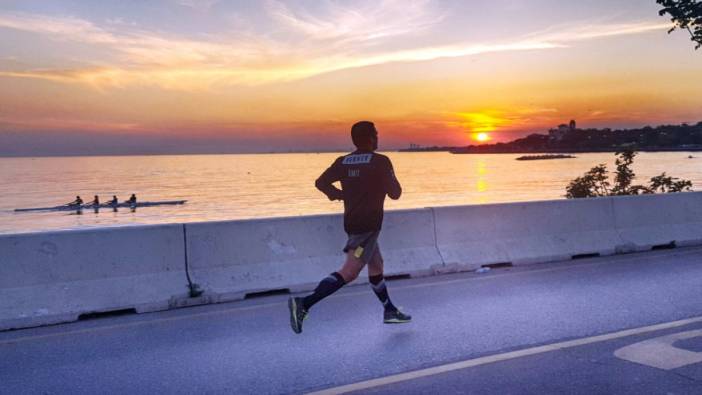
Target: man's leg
[(375, 275), (330, 284), (377, 280)]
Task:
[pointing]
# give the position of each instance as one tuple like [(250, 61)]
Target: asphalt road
[(549, 328)]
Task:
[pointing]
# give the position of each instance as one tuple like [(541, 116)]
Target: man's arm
[(392, 186), (325, 182)]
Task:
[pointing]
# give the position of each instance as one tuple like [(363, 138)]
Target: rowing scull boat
[(104, 205)]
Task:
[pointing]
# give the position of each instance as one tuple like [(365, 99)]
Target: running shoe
[(396, 317), (297, 314)]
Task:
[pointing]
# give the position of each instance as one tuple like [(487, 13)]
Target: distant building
[(557, 134)]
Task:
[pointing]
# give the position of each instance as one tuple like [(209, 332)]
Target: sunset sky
[(188, 76)]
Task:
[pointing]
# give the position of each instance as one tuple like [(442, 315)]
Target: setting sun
[(482, 137)]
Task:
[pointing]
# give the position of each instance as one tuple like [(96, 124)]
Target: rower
[(77, 202), (95, 204), (132, 202), (113, 203)]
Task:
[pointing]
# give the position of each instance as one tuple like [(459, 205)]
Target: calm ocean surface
[(222, 187)]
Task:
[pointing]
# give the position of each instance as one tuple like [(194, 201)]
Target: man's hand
[(336, 194)]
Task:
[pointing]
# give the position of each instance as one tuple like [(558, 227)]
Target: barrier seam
[(436, 239), (194, 288), (622, 242)]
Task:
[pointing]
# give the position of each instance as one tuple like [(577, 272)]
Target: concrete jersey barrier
[(408, 243), (54, 277), (647, 221), (521, 233), (232, 259)]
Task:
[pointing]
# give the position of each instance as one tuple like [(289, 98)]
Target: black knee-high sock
[(326, 287), (381, 291)]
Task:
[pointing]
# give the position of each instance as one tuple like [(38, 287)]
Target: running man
[(366, 178)]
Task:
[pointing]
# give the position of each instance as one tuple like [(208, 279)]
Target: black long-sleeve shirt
[(366, 178)]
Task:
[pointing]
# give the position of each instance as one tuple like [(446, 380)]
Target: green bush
[(596, 182)]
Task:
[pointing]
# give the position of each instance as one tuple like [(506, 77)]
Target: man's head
[(364, 135)]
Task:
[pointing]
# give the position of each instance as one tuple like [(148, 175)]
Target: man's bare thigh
[(352, 267)]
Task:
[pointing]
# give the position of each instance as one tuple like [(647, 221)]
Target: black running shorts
[(363, 245)]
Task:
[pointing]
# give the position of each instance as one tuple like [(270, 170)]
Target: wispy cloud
[(67, 28), (332, 38), (69, 124), (138, 47), (588, 30), (200, 5), (368, 22)]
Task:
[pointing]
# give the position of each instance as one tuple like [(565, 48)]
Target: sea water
[(225, 187)]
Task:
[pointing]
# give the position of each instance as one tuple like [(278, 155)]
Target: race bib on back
[(357, 159)]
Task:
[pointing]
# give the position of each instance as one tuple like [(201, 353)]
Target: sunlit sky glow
[(257, 76)]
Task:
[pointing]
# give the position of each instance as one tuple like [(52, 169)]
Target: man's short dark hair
[(362, 132)]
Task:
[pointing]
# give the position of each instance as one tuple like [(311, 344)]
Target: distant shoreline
[(569, 139), (552, 151)]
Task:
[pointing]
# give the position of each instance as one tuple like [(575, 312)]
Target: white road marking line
[(362, 385), (563, 266), (660, 353)]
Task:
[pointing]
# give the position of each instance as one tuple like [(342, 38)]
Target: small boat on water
[(104, 205)]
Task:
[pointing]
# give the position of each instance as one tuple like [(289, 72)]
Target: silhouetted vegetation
[(687, 15), (596, 182)]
